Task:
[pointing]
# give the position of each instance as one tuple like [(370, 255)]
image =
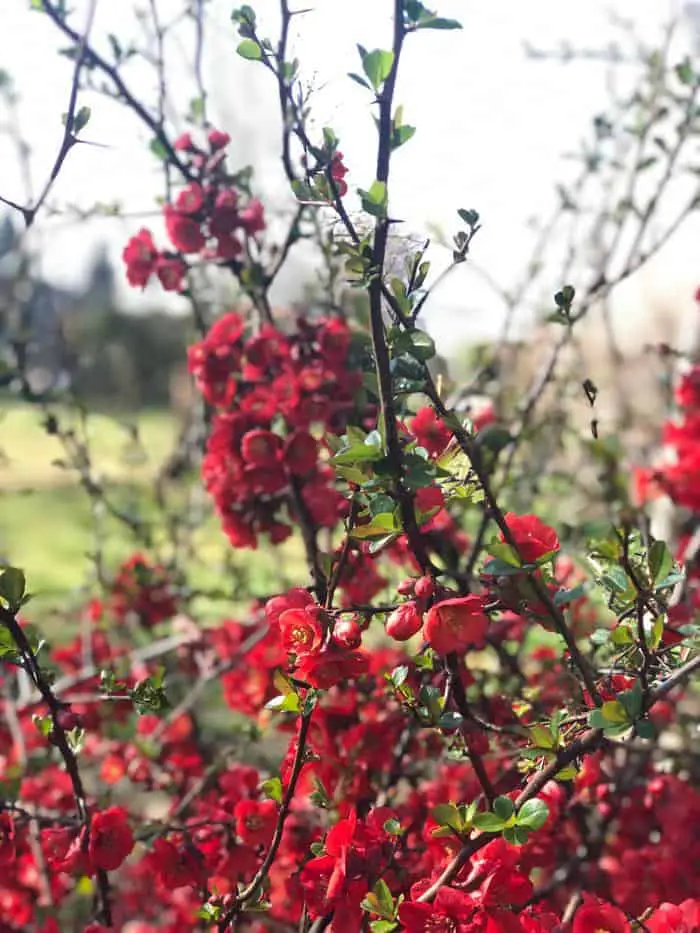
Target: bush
[(476, 712)]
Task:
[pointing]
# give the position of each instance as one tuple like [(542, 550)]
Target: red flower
[(455, 624), (532, 537), (261, 448), (256, 821), (429, 499), (217, 139), (675, 918), (190, 199), (252, 217), (404, 621), (177, 866), (301, 630), (140, 255), (334, 340), (64, 852), (7, 840), (171, 273), (430, 431), (347, 634), (338, 173), (598, 917), (300, 453), (227, 247), (331, 666), (183, 143), (296, 598), (224, 218), (111, 839), (451, 911), (184, 232)]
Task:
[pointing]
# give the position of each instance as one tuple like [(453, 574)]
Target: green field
[(50, 527)]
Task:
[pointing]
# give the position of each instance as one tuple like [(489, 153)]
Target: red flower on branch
[(456, 624), (532, 537), (111, 839)]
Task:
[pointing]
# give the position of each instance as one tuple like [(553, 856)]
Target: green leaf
[(416, 343), (615, 580), (446, 814), (358, 79), (401, 135), (489, 822), (470, 217), (158, 149), (384, 899), (632, 701), (378, 527), (516, 835), (393, 827), (541, 737), (503, 807), (358, 453), (614, 712), (272, 788), (250, 50), (285, 703), (383, 926), (505, 553), (12, 587), (660, 561), (533, 814), (148, 696), (685, 73), (565, 297), (645, 729), (81, 119), (439, 22), (374, 200), (377, 66), (381, 503), (378, 543)]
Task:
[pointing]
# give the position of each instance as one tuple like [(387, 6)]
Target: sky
[(492, 128)]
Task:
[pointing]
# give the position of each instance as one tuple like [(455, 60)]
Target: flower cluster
[(273, 392), (212, 217), (677, 475)]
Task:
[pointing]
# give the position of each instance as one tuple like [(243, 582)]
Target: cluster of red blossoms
[(273, 393), (676, 476), (211, 217), (366, 835)]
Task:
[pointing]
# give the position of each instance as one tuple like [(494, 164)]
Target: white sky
[(490, 124)]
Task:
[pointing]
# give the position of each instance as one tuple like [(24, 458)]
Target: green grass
[(50, 527)]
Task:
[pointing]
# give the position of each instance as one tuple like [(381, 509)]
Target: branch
[(60, 740), (69, 138)]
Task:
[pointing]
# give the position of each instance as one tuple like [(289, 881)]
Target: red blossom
[(111, 839), (7, 839), (456, 624), (256, 821), (177, 864), (185, 234), (140, 257), (430, 431), (302, 630), (532, 537), (331, 666), (599, 917), (404, 622)]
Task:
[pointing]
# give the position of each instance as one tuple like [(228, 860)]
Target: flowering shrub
[(465, 720)]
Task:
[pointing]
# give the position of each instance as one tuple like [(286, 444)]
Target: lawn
[(50, 528)]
